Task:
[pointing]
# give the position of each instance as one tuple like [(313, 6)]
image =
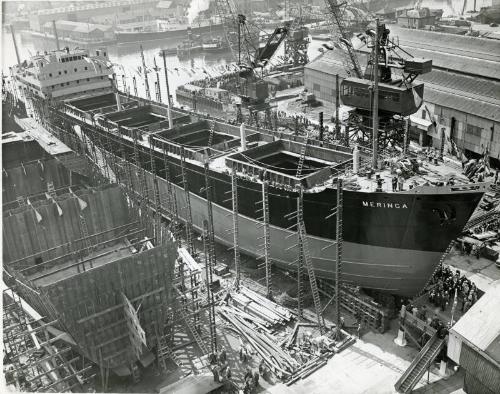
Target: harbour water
[(128, 61)]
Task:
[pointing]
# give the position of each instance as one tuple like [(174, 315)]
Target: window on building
[(104, 54), (59, 73), (474, 130), (50, 75), (88, 79), (76, 70), (77, 81), (62, 84), (86, 68), (316, 87), (65, 71)]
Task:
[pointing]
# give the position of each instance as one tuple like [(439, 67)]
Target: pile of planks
[(254, 307), (265, 345)]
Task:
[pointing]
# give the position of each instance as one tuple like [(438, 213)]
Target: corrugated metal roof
[(481, 324), (476, 47), (471, 95), (463, 83), (471, 104)]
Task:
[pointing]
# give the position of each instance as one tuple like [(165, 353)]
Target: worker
[(256, 378), (215, 371), (248, 374), (241, 351), (222, 355), (394, 183), (400, 183), (359, 330)]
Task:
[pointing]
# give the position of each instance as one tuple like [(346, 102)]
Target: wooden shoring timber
[(58, 366), (90, 259), (78, 251), (49, 357), (69, 243), (32, 331), (80, 372)]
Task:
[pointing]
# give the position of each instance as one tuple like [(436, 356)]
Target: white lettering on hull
[(393, 205)]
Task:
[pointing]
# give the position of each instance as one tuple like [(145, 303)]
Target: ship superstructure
[(66, 73)]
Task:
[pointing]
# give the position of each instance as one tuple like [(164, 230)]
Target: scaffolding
[(35, 360)]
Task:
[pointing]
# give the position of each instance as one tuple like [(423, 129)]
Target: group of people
[(222, 372), (446, 284), (220, 368)]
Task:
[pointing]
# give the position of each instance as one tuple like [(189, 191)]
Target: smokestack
[(243, 137), (55, 34), (15, 44)]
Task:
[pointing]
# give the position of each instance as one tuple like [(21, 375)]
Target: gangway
[(422, 362)]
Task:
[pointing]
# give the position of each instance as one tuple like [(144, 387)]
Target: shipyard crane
[(390, 70), (251, 56)]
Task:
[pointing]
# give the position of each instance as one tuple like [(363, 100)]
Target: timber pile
[(277, 359), (254, 307)]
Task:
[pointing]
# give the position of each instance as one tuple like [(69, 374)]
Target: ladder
[(189, 221), (211, 135), (157, 216), (208, 191), (193, 331), (87, 244), (304, 251), (236, 247), (301, 159), (165, 352), (142, 195), (209, 279), (420, 364), (50, 189), (267, 235)]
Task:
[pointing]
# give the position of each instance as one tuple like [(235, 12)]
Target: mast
[(169, 101), (55, 34), (15, 44), (375, 98), (148, 93)]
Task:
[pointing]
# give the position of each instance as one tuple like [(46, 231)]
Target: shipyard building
[(461, 99)]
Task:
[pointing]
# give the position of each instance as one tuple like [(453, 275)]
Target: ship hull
[(391, 241), (127, 38)]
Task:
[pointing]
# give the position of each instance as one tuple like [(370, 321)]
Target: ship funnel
[(55, 34), (243, 137), (15, 44), (355, 159)]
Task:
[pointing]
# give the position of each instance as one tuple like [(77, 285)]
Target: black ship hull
[(391, 241)]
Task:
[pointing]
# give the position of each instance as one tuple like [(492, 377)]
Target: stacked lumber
[(265, 345), (252, 305)]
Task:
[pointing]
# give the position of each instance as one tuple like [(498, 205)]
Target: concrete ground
[(481, 271)]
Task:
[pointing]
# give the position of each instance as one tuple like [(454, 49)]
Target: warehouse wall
[(322, 84), (471, 132), (479, 369)]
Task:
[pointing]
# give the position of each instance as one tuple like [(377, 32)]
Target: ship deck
[(278, 155)]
